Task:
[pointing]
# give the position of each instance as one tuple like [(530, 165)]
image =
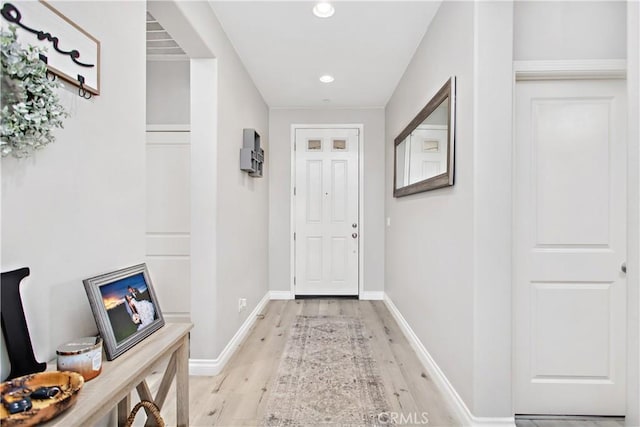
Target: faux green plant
[(31, 107)]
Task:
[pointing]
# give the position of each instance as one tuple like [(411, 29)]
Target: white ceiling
[(365, 45)]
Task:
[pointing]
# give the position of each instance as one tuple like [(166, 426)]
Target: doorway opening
[(168, 155)]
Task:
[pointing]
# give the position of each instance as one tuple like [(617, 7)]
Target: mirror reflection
[(423, 154), (424, 149)]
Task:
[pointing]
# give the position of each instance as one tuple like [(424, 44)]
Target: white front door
[(326, 212), (570, 244)]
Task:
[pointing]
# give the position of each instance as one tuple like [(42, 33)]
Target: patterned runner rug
[(327, 376)]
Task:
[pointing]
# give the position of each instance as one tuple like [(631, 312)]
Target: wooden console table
[(119, 377)]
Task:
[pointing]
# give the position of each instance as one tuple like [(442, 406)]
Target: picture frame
[(125, 307)]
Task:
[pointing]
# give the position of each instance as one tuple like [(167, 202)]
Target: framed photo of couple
[(125, 307)]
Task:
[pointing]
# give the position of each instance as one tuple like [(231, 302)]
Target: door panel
[(339, 257), (326, 208), (339, 191), (570, 240), (572, 171), (314, 191), (314, 259), (560, 343)]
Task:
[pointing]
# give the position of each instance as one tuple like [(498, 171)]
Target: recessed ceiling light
[(326, 100), (326, 78), (323, 9)]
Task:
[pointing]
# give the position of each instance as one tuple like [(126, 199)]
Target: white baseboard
[(450, 394), (492, 422), (204, 367), (209, 367), (371, 295), (281, 295)]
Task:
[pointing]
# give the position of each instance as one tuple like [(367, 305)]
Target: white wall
[(204, 191), (77, 208), (569, 30), (492, 152), (429, 245), (456, 292), (235, 246), (280, 121), (633, 264), (168, 92), (243, 201)]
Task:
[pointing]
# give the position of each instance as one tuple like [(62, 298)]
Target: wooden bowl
[(42, 410)]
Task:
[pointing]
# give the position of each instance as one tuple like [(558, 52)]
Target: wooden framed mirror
[(424, 150)]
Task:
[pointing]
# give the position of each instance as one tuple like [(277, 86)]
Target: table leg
[(124, 408), (167, 380), (182, 383)]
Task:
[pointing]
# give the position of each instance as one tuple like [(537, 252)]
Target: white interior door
[(326, 211), (570, 243), (169, 218)]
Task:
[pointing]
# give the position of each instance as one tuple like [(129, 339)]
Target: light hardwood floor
[(239, 394)]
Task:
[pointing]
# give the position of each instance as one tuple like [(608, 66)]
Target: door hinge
[(294, 191), (294, 280), (294, 235)]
